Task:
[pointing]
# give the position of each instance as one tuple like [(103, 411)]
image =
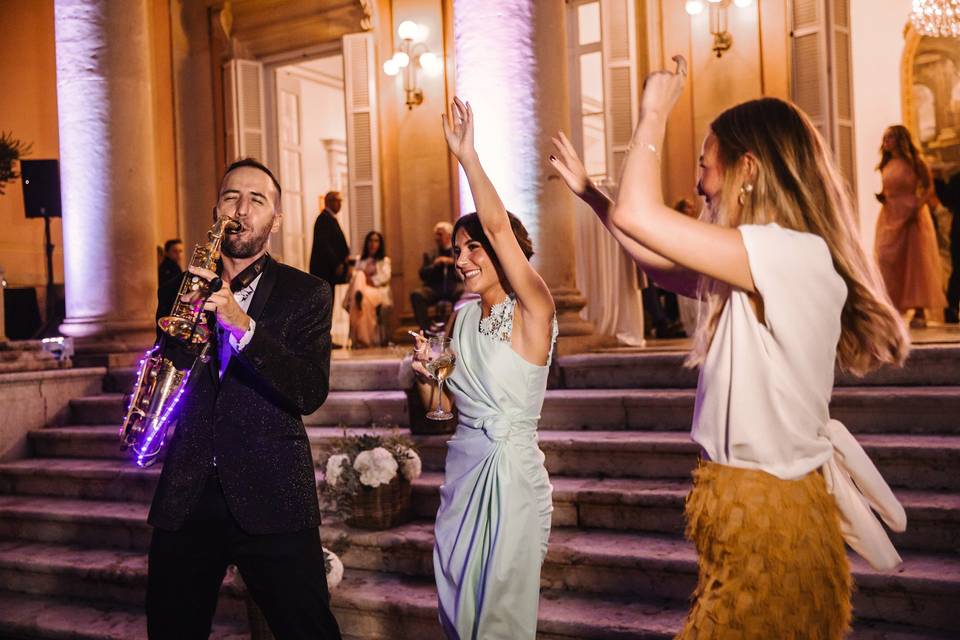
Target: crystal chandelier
[(936, 18)]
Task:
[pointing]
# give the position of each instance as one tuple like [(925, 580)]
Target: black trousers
[(953, 285), (425, 296), (284, 574)]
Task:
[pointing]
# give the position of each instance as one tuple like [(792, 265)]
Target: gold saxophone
[(160, 383)]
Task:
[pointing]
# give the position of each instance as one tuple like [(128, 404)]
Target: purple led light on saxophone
[(146, 356), (159, 422)]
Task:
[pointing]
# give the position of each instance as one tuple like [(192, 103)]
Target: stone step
[(368, 605), (346, 407), (656, 506), (579, 563), (649, 566), (908, 461), (914, 462), (104, 575), (928, 365), (862, 409), (24, 616), (626, 504), (367, 374)]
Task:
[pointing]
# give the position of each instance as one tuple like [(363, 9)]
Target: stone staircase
[(614, 430)]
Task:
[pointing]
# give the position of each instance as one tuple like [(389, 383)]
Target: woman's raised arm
[(532, 292)]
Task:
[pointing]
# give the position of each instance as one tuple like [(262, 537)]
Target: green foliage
[(338, 500), (11, 150)]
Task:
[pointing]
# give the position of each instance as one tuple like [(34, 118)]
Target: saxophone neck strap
[(243, 279)]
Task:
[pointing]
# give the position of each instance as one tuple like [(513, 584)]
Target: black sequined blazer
[(247, 426)]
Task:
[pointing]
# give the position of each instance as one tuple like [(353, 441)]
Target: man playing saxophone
[(238, 485)]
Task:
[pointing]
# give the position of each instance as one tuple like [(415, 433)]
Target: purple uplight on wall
[(496, 68)]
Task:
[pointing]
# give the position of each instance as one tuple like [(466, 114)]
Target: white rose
[(335, 574), (375, 467), (335, 468), (410, 464)]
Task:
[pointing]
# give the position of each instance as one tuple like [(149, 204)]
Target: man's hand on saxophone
[(229, 314)]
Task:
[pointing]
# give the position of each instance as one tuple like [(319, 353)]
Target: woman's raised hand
[(568, 164), (458, 129), (662, 89)]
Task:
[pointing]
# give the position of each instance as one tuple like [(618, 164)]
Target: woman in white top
[(369, 289), (789, 295)]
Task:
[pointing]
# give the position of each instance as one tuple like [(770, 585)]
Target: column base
[(108, 343)]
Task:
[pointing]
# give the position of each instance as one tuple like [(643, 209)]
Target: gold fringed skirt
[(772, 560)]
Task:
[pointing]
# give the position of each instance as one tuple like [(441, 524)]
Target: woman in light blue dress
[(495, 502)]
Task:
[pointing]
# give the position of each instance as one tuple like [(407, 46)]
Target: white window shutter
[(363, 156), (822, 86), (619, 80), (842, 86), (243, 100)]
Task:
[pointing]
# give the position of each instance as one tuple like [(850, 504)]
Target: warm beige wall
[(168, 223), (757, 65), (876, 30), (417, 186), (28, 110)]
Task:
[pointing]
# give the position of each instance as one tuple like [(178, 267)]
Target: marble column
[(511, 64), (107, 172)]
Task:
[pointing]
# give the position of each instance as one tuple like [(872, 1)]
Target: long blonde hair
[(798, 187), (908, 151)]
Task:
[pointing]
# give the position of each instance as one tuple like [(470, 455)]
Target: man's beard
[(234, 247)]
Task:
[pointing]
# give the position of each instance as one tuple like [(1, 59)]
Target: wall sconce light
[(411, 54), (722, 40)]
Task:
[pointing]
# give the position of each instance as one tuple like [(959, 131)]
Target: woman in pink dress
[(906, 245)]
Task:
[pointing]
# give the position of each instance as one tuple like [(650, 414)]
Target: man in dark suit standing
[(171, 265), (238, 485), (328, 256)]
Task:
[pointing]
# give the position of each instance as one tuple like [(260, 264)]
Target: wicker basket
[(382, 507)]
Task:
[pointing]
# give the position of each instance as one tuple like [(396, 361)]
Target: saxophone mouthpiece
[(232, 226)]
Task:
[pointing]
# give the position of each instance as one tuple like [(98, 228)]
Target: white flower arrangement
[(335, 468), (376, 467), (334, 568), (410, 464), (357, 464)]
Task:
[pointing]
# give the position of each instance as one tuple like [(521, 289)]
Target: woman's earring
[(745, 192)]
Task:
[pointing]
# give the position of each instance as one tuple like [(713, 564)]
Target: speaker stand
[(51, 325)]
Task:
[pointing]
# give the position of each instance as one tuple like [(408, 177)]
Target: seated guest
[(369, 289), (439, 277), (171, 265), (662, 305)]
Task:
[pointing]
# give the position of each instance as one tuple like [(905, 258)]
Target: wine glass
[(440, 365)]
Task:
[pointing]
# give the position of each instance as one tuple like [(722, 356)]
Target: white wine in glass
[(440, 366)]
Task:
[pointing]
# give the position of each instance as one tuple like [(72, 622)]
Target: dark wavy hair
[(381, 252), (470, 223)]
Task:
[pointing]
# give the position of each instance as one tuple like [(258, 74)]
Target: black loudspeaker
[(41, 188)]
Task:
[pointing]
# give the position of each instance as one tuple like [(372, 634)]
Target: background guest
[(948, 191), (439, 277), (328, 258), (369, 289), (662, 305), (906, 244), (172, 264)]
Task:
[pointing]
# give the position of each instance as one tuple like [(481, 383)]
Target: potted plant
[(367, 478), (11, 150)]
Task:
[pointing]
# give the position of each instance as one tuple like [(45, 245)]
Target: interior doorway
[(310, 139)]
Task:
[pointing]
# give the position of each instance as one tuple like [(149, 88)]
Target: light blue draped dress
[(495, 502)]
